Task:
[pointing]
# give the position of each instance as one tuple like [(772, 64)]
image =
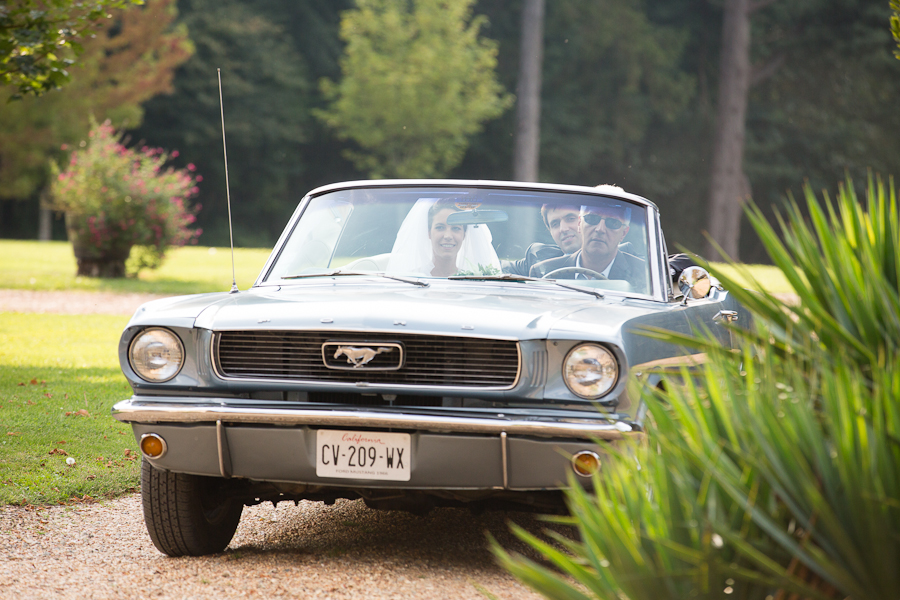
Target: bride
[(427, 245)]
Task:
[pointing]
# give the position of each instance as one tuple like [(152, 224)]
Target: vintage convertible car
[(393, 350)]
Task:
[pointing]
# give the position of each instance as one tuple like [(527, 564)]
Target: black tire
[(187, 515)]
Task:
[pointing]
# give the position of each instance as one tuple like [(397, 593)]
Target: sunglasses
[(594, 220)]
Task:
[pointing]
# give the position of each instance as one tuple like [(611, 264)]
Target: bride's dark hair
[(442, 204)]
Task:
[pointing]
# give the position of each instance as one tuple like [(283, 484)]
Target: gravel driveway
[(102, 550), (306, 551), (72, 303)]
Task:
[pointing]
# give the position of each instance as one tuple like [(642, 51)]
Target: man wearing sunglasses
[(602, 230)]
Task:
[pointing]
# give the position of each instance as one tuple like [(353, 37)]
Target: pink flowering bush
[(117, 199)]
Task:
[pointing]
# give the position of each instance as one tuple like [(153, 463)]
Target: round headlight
[(156, 355), (590, 371)]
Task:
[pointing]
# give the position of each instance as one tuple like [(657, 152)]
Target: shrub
[(778, 471), (117, 198)]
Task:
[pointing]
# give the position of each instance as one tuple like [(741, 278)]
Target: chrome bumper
[(190, 411)]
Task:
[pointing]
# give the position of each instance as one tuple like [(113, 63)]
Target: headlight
[(156, 355), (590, 371)]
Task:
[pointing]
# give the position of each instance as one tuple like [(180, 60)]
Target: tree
[(528, 92), (895, 25), (38, 40), (130, 60), (827, 109), (612, 77), (729, 186), (418, 81), (826, 83), (266, 94), (628, 96)]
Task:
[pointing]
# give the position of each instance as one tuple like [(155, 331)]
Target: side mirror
[(695, 282)]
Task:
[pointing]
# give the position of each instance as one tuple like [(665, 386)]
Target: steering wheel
[(574, 270)]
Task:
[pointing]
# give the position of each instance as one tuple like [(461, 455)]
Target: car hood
[(496, 310)]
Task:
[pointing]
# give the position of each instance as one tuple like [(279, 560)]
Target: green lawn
[(34, 265), (767, 276), (53, 367), (59, 374)]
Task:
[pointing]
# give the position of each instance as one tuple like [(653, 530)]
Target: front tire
[(187, 515)]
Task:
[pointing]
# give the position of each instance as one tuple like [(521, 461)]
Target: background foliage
[(266, 96), (38, 40), (627, 100), (129, 60), (418, 81), (895, 24), (115, 198)]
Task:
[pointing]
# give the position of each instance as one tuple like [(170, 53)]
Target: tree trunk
[(45, 225), (728, 187), (528, 93)]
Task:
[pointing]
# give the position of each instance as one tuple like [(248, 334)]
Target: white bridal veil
[(412, 254)]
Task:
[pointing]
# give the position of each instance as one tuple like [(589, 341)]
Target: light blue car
[(413, 343)]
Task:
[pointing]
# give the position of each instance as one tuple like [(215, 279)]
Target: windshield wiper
[(339, 273), (503, 277), (512, 277), (578, 288)]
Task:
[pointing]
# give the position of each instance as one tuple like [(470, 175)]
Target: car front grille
[(429, 360)]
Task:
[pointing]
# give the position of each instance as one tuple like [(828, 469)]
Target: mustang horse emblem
[(359, 356)]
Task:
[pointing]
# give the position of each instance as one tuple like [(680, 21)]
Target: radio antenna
[(234, 287)]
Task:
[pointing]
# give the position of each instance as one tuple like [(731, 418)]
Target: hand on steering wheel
[(565, 270)]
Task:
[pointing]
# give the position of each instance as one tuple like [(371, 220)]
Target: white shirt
[(604, 272)]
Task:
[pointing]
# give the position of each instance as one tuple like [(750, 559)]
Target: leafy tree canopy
[(620, 102), (636, 82), (266, 89), (38, 39), (128, 61), (828, 109), (895, 25), (418, 81), (628, 98)]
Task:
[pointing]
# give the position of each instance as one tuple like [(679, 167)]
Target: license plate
[(362, 455)]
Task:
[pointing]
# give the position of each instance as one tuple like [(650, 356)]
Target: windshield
[(454, 232)]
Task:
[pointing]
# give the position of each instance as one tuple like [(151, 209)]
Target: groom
[(562, 222)]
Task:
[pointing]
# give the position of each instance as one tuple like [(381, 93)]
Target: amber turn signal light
[(152, 445), (585, 463)]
